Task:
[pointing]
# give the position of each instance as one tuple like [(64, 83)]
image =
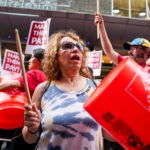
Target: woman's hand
[(32, 118)]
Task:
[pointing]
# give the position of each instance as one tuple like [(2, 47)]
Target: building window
[(121, 8)]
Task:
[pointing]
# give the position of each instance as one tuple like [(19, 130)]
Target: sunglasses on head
[(70, 45)]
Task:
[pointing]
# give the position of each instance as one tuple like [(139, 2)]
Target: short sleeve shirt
[(34, 77)]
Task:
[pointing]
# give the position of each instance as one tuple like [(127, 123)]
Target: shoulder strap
[(44, 90), (94, 83), (46, 87)]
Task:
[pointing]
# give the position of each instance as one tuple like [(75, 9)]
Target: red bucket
[(121, 104), (12, 103)]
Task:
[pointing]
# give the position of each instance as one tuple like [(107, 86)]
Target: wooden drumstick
[(19, 49)]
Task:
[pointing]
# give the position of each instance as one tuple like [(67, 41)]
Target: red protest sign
[(11, 61), (121, 104), (94, 61), (38, 35)]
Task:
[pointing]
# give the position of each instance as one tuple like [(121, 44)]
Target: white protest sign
[(38, 35), (94, 61), (11, 62)]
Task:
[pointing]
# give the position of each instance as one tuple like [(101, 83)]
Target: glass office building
[(121, 8)]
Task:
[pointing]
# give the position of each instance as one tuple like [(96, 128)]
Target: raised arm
[(106, 44)]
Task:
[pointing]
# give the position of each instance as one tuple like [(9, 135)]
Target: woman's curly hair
[(50, 61)]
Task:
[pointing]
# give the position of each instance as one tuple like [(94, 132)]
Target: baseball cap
[(136, 42)]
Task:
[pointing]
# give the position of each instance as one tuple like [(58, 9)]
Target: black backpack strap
[(44, 90), (46, 87), (94, 82)]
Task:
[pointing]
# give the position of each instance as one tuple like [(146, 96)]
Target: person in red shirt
[(147, 67), (138, 49), (34, 76)]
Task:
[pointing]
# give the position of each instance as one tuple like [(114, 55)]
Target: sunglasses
[(70, 45)]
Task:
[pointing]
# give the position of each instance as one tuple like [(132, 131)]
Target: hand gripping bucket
[(121, 105), (12, 103)]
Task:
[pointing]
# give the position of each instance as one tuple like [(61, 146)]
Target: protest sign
[(11, 62), (94, 61), (121, 104), (38, 35)]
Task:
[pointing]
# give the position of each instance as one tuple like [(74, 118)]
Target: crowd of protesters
[(59, 84)]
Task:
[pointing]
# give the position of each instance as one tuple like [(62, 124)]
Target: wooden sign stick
[(98, 24), (19, 49)]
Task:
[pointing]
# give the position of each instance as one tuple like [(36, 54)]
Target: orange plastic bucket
[(12, 103), (121, 104)]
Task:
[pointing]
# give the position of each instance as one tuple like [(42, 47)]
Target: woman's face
[(34, 63), (70, 54)]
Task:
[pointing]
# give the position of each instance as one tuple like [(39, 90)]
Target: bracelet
[(31, 132)]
